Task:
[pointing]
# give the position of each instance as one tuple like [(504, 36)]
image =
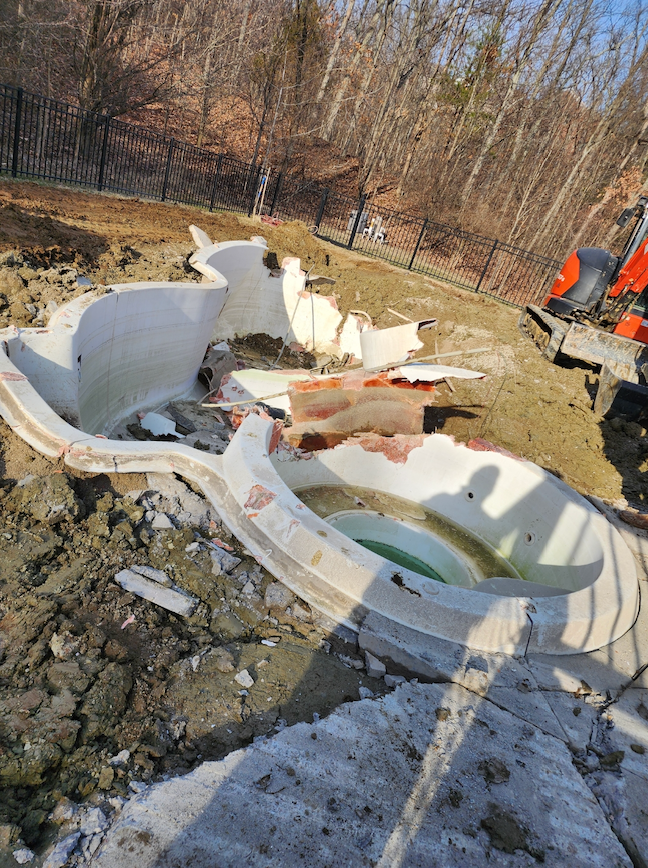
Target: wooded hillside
[(521, 119)]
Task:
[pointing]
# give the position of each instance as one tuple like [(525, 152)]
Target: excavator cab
[(590, 274)]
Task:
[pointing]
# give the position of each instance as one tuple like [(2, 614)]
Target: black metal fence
[(45, 139)]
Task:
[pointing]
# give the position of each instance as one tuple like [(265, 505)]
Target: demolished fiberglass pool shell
[(552, 540)]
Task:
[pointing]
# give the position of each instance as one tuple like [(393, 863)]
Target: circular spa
[(471, 545)]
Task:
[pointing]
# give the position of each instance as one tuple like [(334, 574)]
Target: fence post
[(168, 169), (357, 220), (255, 190), (322, 206), (418, 244), (16, 137), (277, 190), (212, 198), (104, 149), (488, 262)]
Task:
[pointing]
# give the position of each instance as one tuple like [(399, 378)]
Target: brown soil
[(173, 705)]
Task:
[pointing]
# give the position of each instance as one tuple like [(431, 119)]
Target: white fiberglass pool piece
[(275, 303), (558, 578), (129, 347)]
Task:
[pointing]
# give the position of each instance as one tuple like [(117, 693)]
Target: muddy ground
[(88, 671)]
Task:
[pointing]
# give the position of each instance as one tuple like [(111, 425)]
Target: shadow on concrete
[(496, 760)]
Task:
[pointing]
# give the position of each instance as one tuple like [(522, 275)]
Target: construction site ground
[(82, 687)]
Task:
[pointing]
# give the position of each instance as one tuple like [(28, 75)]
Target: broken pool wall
[(511, 499), (132, 347)]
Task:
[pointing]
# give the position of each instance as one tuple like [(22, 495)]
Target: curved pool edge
[(330, 572)]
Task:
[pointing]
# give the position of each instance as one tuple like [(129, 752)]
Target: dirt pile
[(89, 673)]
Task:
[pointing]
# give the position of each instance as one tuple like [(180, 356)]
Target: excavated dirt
[(87, 670)]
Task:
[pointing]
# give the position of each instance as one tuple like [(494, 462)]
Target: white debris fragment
[(271, 387), (349, 662), (23, 855), (62, 852), (223, 560), (268, 643), (159, 425), (248, 588), (91, 844), (94, 821), (394, 680), (120, 759), (385, 348), (162, 522), (168, 598), (244, 678), (375, 667), (421, 373), (158, 576), (365, 693), (200, 237), (136, 786), (192, 547)]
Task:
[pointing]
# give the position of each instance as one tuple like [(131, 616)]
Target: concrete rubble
[(173, 600)]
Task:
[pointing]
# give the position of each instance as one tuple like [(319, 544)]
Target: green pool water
[(396, 556)]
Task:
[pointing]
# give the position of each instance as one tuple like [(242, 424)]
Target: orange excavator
[(597, 311)]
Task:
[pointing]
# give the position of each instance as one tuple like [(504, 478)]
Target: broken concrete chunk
[(158, 576), (169, 487), (120, 759), (244, 679), (224, 560), (62, 852), (162, 522), (174, 601), (394, 680), (94, 821), (278, 596), (375, 668)]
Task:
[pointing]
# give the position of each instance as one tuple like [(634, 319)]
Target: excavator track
[(545, 330)]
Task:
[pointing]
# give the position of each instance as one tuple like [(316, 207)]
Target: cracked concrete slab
[(603, 671), (630, 733), (430, 775), (576, 717)]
